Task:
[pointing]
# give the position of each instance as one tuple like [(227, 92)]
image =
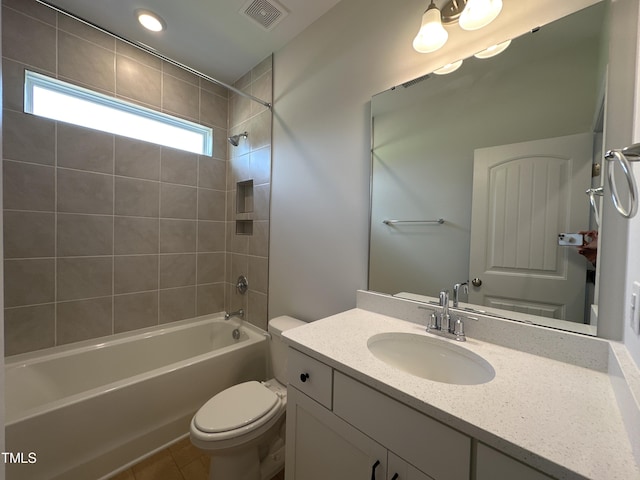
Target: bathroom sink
[(431, 358)]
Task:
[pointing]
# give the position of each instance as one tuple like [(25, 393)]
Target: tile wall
[(105, 234)]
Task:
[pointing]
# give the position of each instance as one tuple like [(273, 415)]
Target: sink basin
[(431, 358)]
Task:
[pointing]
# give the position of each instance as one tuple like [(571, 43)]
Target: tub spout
[(239, 314)]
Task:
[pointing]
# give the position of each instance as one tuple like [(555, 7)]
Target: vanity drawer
[(311, 377), (432, 447)]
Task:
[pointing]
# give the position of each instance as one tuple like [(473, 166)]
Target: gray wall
[(104, 234)]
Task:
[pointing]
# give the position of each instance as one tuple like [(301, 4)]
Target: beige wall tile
[(13, 85), (86, 32), (136, 235), (82, 192), (259, 241), (180, 98), (29, 328), (130, 75), (214, 110), (260, 165), (28, 138), (82, 235), (29, 234), (135, 158), (179, 167), (177, 270), (211, 236), (211, 204), (137, 54), (135, 197), (177, 304), (257, 310), (28, 187), (83, 319), (211, 267), (84, 149), (180, 73), (86, 63), (32, 282), (28, 40), (177, 201), (177, 236), (32, 9), (258, 273), (210, 299), (135, 273), (133, 311), (212, 173), (88, 277)]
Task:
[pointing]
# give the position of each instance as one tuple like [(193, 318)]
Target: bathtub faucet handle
[(239, 314)]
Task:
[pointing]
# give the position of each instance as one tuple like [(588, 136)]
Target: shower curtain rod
[(158, 55)]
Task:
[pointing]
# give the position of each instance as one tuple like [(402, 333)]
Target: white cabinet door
[(493, 465), (320, 446), (398, 469)]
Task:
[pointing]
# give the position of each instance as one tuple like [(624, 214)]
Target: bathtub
[(91, 409)]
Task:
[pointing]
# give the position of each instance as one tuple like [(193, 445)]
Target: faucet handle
[(433, 322), (458, 330)]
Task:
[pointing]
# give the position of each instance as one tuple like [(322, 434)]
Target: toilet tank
[(278, 348)]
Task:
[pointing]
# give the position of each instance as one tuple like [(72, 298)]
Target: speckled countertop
[(557, 417)]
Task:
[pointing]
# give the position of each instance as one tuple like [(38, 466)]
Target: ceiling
[(210, 36)]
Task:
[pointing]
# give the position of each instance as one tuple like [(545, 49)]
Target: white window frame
[(125, 118)]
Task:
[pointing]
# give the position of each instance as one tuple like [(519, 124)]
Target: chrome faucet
[(441, 324), (456, 292), (239, 314)]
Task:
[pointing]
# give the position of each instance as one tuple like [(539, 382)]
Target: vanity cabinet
[(339, 428), (492, 465)]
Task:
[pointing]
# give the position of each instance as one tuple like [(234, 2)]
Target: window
[(47, 97)]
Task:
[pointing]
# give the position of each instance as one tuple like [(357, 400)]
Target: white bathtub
[(91, 409)]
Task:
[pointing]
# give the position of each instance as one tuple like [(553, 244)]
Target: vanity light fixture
[(151, 21), (432, 34), (470, 14), (449, 68), (479, 13), (493, 50)]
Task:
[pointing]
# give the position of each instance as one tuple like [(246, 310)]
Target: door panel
[(524, 195)]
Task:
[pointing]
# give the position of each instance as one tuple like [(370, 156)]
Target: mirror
[(528, 121)]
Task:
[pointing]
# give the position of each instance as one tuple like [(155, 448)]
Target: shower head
[(235, 139)]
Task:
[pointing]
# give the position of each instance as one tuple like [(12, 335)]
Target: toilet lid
[(235, 407)]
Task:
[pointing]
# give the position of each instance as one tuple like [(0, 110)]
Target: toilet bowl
[(243, 427)]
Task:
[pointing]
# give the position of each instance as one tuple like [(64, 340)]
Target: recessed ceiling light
[(150, 20)]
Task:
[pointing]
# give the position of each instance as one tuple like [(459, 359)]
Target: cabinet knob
[(304, 377)]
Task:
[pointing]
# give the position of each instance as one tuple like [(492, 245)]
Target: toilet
[(243, 427)]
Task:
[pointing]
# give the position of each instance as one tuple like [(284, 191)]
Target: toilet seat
[(237, 410)]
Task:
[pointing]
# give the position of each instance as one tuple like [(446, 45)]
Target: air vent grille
[(266, 13)]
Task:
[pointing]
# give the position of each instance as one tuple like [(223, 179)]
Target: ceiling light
[(493, 50), (449, 68), (479, 13), (150, 20), (432, 34)]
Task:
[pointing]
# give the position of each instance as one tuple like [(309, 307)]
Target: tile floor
[(180, 461)]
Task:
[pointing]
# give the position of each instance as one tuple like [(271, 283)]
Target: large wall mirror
[(502, 150)]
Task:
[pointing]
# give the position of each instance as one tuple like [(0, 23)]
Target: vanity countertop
[(560, 418)]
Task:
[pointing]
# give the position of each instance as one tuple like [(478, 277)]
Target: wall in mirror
[(503, 150)]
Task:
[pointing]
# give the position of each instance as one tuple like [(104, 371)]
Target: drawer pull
[(304, 377), (395, 476), (373, 469)]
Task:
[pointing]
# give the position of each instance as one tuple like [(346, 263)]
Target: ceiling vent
[(266, 13)]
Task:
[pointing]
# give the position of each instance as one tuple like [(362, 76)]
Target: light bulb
[(493, 50), (449, 68), (432, 34), (479, 13)]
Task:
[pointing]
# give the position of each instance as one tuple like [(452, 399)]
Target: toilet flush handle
[(304, 377)]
